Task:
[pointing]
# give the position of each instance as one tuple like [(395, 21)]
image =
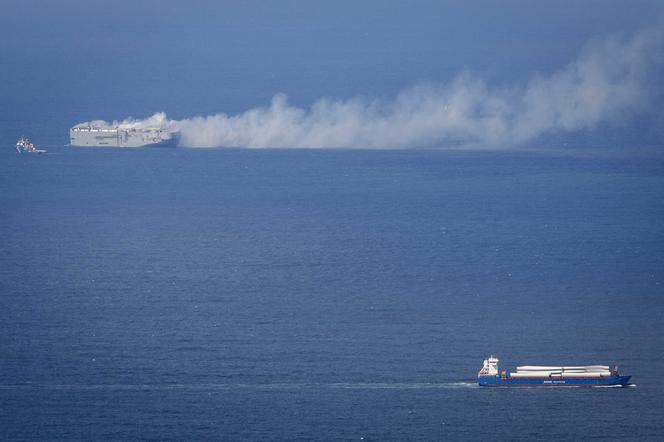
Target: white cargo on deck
[(563, 368), (539, 371)]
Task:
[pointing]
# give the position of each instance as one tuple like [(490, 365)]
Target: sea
[(294, 294)]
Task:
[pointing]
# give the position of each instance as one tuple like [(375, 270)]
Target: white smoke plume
[(157, 120), (608, 82)]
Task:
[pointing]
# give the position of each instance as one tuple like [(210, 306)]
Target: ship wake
[(247, 386)]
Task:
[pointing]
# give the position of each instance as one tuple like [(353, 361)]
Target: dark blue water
[(293, 294)]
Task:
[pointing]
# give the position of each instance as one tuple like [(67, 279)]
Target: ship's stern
[(488, 374)]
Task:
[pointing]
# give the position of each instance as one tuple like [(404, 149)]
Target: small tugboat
[(545, 376), (23, 145)]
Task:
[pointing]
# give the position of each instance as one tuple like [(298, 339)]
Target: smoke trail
[(608, 82)]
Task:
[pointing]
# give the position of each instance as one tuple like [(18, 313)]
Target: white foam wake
[(245, 386)]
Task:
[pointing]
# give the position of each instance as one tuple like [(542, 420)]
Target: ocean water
[(174, 294)]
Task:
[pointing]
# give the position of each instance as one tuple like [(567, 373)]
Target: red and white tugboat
[(23, 145)]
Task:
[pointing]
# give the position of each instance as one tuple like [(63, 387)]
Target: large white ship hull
[(87, 136)]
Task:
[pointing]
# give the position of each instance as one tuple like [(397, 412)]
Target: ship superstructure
[(550, 376), (119, 136)]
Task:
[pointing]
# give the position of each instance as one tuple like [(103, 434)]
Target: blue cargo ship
[(550, 376)]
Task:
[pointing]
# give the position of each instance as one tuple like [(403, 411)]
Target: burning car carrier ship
[(121, 136)]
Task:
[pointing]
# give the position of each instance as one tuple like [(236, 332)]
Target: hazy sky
[(87, 59)]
